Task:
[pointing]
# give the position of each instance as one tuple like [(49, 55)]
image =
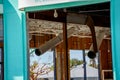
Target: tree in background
[(36, 70), (74, 62), (93, 63)]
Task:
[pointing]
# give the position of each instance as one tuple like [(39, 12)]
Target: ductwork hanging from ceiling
[(49, 27), (54, 42)]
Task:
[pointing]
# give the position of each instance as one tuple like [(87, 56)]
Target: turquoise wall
[(1, 1), (15, 42), (1, 8), (115, 30)]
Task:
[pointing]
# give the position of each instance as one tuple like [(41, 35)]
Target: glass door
[(82, 67), (42, 67)]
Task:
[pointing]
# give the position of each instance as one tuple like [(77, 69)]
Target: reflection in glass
[(76, 65), (81, 69), (41, 67), (91, 66)]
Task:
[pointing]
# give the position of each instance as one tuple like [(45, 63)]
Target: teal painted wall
[(1, 1), (1, 8), (115, 30), (15, 42)]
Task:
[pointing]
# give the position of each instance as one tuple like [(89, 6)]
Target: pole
[(65, 43), (54, 59), (84, 65), (99, 73)]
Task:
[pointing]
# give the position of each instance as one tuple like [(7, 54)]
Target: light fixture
[(55, 13), (64, 10)]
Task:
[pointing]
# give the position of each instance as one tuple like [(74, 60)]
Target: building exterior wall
[(1, 6), (1, 1), (15, 42), (115, 27)]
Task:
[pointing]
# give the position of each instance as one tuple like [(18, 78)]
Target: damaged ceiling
[(44, 22), (55, 28)]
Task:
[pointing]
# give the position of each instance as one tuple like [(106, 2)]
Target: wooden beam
[(66, 70), (72, 17)]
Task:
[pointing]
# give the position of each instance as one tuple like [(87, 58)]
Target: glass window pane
[(91, 66), (41, 67), (79, 70), (76, 65)]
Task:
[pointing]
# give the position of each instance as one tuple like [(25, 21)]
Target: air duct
[(99, 37), (54, 42), (81, 19)]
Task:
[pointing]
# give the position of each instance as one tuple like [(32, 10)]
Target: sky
[(48, 58), (77, 54), (44, 58)]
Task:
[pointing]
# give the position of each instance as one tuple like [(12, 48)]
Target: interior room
[(85, 29)]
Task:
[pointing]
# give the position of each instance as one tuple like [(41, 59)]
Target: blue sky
[(77, 54), (45, 58)]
